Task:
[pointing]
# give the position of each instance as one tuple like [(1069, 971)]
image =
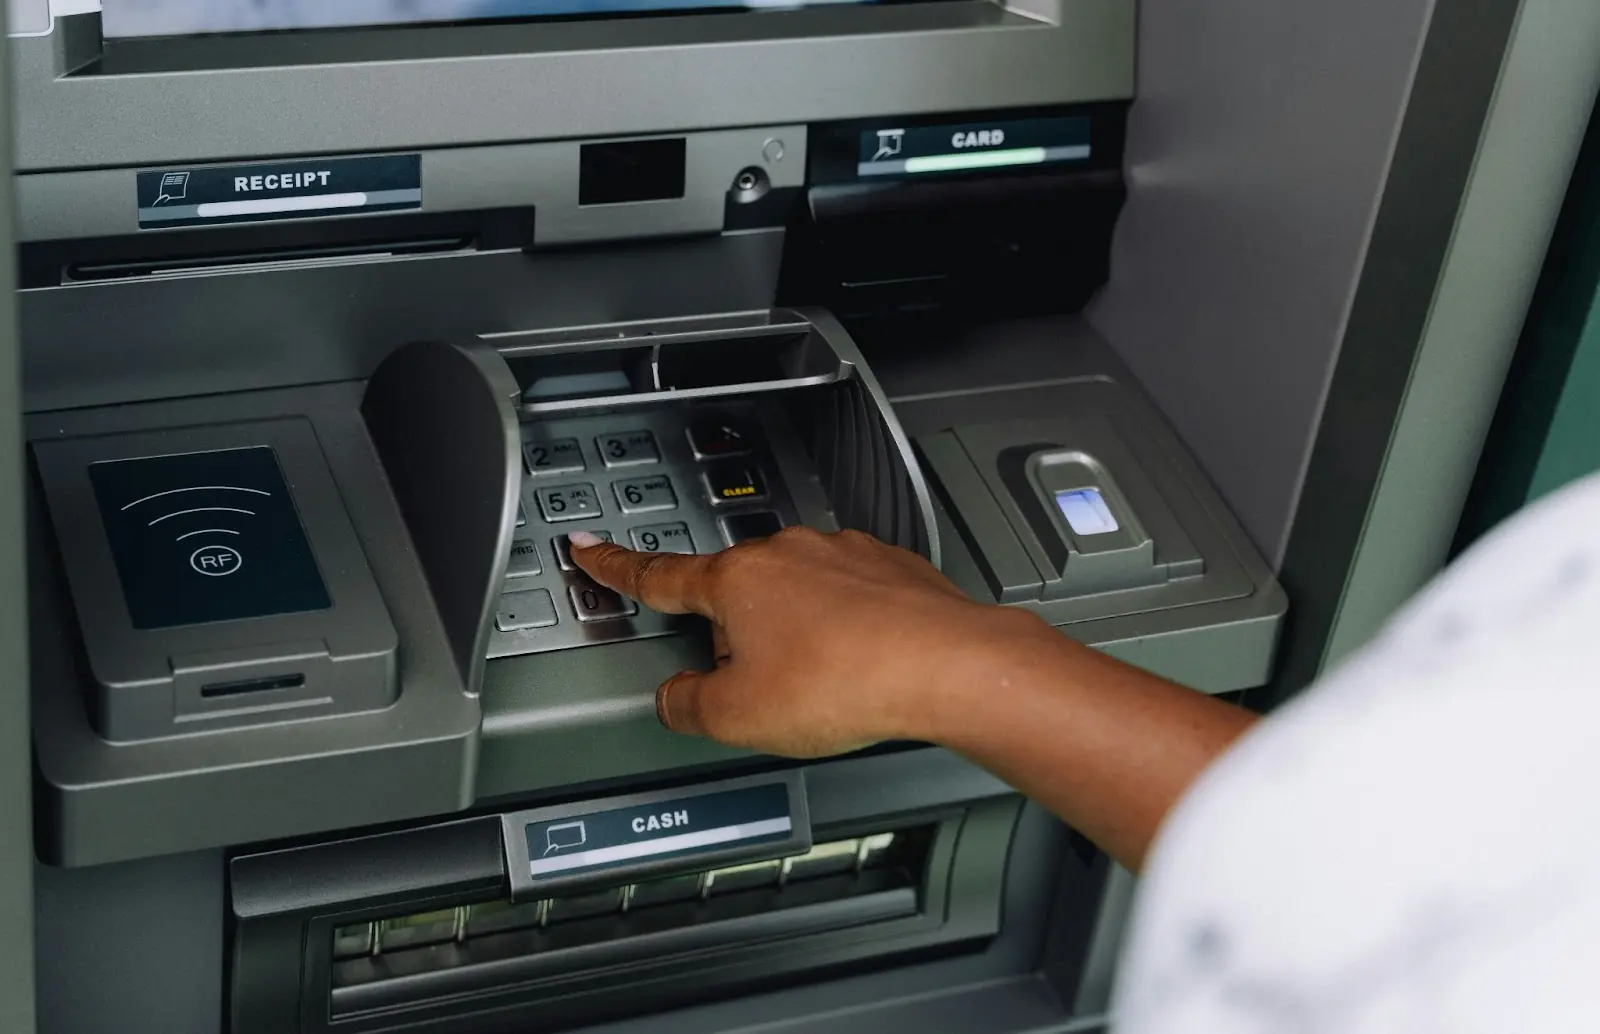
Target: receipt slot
[(216, 578)]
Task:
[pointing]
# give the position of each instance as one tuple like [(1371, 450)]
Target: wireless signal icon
[(211, 505)]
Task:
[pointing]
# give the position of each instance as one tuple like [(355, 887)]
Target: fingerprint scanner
[(1086, 512)]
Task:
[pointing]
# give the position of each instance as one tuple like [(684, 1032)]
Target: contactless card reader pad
[(217, 579), (206, 536)]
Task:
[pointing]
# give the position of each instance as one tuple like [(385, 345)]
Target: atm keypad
[(552, 458), (646, 495), (669, 482), (568, 503)]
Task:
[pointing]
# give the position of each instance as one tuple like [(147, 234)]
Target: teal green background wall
[(1572, 448), (1546, 431)]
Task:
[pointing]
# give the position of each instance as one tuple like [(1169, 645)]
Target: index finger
[(669, 583)]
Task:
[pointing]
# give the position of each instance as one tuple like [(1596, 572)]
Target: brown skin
[(830, 643)]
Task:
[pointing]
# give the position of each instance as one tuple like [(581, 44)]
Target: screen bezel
[(84, 105), (674, 8)]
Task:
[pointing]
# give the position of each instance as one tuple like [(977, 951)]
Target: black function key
[(731, 483), (628, 449), (745, 526), (558, 456), (719, 437)]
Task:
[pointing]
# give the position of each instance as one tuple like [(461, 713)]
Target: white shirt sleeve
[(1412, 846)]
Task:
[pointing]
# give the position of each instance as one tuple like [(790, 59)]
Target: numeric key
[(558, 456), (561, 546), (646, 495), (628, 449), (568, 503), (593, 602), (663, 538)]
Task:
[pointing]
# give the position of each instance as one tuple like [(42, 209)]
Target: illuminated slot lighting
[(977, 160), (966, 161)]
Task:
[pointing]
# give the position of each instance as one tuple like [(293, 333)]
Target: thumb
[(686, 703)]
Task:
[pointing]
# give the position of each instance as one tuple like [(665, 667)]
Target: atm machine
[(337, 320)]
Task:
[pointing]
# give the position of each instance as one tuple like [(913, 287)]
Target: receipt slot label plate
[(212, 195), (613, 840)]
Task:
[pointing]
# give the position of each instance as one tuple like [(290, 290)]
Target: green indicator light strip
[(977, 160)]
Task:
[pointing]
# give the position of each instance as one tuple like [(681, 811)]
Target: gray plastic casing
[(415, 757), (1057, 378), (150, 683), (1023, 547), (84, 105)]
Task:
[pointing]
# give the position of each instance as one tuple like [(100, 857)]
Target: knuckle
[(645, 571), (722, 568), (696, 716), (795, 536)]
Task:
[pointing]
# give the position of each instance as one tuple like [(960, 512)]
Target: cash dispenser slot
[(454, 927)]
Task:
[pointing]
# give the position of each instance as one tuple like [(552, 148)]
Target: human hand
[(824, 643)]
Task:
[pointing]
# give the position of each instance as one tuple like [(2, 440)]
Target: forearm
[(1105, 746)]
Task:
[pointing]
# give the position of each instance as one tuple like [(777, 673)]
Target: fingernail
[(585, 539)]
